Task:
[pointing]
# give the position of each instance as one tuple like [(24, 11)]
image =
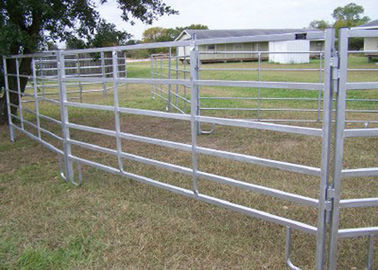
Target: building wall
[(289, 46), (212, 49), (316, 45), (248, 46), (371, 43)]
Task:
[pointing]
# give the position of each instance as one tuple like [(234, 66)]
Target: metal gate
[(330, 172)]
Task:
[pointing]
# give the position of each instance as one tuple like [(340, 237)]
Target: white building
[(289, 46), (215, 50), (370, 43)]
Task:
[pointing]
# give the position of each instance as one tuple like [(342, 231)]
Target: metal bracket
[(206, 132), (330, 193), (335, 74), (334, 61), (288, 249), (329, 203), (72, 181), (61, 173)]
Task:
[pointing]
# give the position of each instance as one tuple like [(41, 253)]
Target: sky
[(238, 14)]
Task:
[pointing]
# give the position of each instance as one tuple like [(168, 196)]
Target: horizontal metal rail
[(362, 202), (206, 119), (212, 200), (261, 84), (361, 132), (223, 154), (261, 52), (75, 70), (357, 232), (360, 172), (212, 177), (361, 85)]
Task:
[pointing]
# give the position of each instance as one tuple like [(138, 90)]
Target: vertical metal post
[(177, 74), (19, 93), (116, 109), (259, 89), (7, 93), (339, 145), (184, 68), (161, 74), (36, 103), (78, 74), (326, 145), (42, 78), (198, 89), (193, 113), (64, 117), (370, 259), (169, 77), (320, 81), (103, 71), (125, 64), (152, 76)]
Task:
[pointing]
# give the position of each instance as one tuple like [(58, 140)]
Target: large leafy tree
[(27, 25), (350, 15)]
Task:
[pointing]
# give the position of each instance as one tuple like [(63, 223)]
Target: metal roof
[(372, 24), (209, 34)]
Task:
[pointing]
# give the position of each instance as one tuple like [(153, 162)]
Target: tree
[(107, 35), (75, 43), (160, 34), (320, 24), (192, 26), (26, 25), (156, 34), (349, 16)]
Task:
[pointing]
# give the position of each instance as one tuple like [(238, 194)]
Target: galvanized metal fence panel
[(332, 81)]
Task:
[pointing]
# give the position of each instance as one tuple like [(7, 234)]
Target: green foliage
[(157, 34), (160, 34), (26, 25), (320, 24), (192, 26), (75, 43), (349, 16), (105, 35)]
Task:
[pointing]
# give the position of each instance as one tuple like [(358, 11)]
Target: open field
[(113, 222)]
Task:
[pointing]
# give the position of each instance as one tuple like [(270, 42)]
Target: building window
[(237, 47), (211, 47)]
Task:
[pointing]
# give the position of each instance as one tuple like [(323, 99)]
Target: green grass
[(113, 222)]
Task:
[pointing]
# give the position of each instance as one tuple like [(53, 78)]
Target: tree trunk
[(24, 69)]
